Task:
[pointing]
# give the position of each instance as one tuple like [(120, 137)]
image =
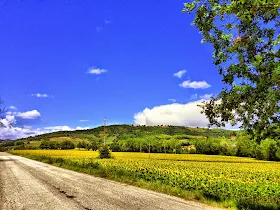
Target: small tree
[(79, 145), (82, 144), (104, 152), (44, 145), (67, 145)]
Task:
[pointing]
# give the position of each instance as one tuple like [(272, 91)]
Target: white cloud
[(83, 120), (40, 95), (97, 71), (29, 114), (82, 128), (172, 100), (188, 115), (206, 96), (195, 84), (12, 107), (8, 131), (8, 121), (173, 114), (58, 128), (179, 74), (16, 132)]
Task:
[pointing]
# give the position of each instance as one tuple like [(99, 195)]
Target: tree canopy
[(246, 41)]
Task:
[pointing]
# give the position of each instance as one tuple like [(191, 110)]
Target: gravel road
[(30, 185)]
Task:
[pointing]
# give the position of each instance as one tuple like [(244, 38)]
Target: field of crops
[(246, 182)]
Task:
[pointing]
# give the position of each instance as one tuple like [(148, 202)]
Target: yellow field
[(216, 177), (136, 155)]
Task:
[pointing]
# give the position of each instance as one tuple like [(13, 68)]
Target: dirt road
[(30, 185)]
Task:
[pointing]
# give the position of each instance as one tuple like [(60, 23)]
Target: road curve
[(31, 185)]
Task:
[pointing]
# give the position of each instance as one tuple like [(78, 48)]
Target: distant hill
[(130, 131), (120, 133)]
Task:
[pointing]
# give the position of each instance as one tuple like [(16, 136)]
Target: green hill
[(127, 137), (123, 132)]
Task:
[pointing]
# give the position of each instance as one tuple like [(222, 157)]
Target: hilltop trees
[(46, 144), (245, 35)]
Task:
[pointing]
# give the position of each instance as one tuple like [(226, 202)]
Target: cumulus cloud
[(13, 132), (82, 128), (195, 84), (8, 121), (188, 115), (180, 74), (173, 114), (172, 100), (40, 95), (97, 71), (12, 107), (17, 132), (83, 120), (8, 130), (29, 114)]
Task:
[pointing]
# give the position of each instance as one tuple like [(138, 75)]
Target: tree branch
[(273, 55)]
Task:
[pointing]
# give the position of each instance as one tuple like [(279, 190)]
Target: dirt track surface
[(30, 185)]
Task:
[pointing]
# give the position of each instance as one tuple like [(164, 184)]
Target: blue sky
[(66, 61)]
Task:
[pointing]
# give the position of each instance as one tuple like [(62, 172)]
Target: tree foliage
[(104, 152), (46, 144), (246, 41)]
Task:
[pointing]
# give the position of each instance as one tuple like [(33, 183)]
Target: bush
[(277, 154), (245, 146), (82, 144), (93, 145), (67, 145), (19, 143), (269, 149), (104, 152), (259, 154), (44, 145)]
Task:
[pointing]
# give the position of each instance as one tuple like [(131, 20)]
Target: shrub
[(259, 154), (82, 144), (268, 149), (44, 145), (67, 145), (93, 145), (104, 152), (245, 146)]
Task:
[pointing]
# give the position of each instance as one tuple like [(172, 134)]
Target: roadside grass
[(123, 169)]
